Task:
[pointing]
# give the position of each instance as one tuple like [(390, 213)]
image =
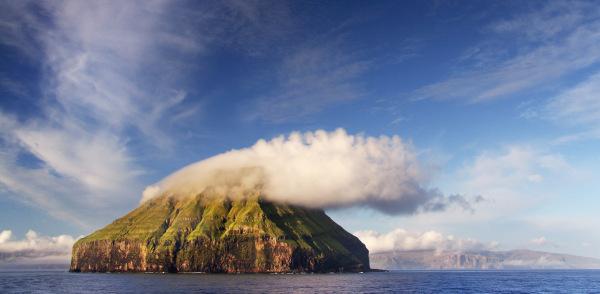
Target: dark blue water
[(390, 282)]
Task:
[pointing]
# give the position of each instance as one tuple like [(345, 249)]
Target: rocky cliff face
[(210, 233)]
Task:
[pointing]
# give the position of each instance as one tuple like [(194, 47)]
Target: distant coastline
[(480, 260)]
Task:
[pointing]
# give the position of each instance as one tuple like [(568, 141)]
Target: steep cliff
[(211, 233)]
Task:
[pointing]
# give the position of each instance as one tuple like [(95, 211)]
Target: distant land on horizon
[(479, 260), (429, 260)]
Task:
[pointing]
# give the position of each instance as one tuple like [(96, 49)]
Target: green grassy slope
[(165, 224)]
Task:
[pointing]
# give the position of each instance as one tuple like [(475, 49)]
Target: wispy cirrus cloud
[(311, 76), (100, 60), (577, 107), (41, 187), (310, 79), (111, 66), (114, 77), (551, 41)]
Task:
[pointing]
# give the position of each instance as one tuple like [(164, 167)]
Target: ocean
[(543, 281)]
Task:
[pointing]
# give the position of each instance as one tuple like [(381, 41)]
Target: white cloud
[(318, 169), (514, 178), (543, 242), (35, 249), (402, 240), (42, 188), (540, 241), (98, 161), (555, 40), (513, 167), (5, 235), (510, 181), (107, 75)]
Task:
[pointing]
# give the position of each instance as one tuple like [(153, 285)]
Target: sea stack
[(215, 234)]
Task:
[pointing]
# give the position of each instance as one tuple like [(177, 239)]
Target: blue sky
[(498, 99)]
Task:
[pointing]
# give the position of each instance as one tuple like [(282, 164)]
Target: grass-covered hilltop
[(212, 233)]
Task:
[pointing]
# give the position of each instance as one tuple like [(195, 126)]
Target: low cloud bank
[(317, 169), (35, 249), (402, 240)]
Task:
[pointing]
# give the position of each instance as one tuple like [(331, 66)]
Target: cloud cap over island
[(320, 170)]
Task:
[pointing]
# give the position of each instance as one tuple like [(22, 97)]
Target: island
[(215, 233)]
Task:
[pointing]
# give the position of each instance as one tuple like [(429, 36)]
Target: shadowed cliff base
[(215, 234)]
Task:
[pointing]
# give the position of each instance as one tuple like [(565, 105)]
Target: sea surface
[(551, 281)]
